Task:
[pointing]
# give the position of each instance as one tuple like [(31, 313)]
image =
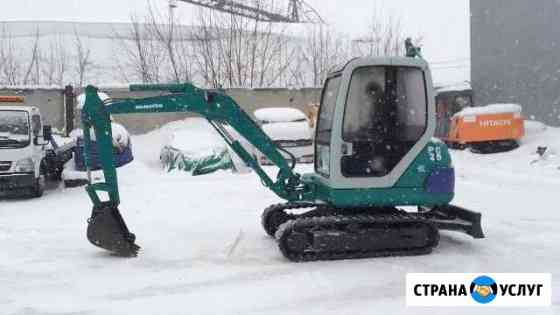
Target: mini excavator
[(374, 154)]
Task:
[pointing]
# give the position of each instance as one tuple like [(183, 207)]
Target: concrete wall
[(515, 55), (51, 104), (248, 99), (49, 101)]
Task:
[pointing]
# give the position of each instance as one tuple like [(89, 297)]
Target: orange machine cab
[(492, 128)]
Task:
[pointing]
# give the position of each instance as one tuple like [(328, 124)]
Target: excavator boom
[(106, 227)]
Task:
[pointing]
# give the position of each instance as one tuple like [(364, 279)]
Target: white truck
[(26, 156)]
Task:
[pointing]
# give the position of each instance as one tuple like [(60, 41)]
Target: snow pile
[(543, 144), (81, 99), (490, 109), (534, 128), (121, 136), (279, 114), (288, 131), (197, 140), (70, 174), (194, 146)]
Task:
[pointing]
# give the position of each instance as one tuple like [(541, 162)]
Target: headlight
[(25, 166)]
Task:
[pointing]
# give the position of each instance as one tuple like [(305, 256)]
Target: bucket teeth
[(107, 229)]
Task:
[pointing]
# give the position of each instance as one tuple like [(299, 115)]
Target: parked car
[(290, 129), (25, 159)]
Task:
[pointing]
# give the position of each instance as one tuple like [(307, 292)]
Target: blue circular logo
[(483, 289)]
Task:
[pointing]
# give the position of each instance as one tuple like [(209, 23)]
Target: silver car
[(290, 129)]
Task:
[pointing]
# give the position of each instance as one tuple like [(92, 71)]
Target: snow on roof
[(81, 99), (288, 131), (279, 114), (119, 133), (462, 86), (32, 87), (490, 109)]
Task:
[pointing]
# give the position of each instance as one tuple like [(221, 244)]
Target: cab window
[(325, 125), (385, 115)]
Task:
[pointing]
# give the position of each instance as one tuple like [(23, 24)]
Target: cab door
[(384, 119), (325, 125)]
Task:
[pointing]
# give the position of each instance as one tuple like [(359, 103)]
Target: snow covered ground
[(204, 251)]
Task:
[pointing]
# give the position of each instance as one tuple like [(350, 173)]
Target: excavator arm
[(106, 227)]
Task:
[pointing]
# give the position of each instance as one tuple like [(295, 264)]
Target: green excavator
[(374, 153)]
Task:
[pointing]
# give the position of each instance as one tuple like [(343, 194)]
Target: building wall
[(51, 104), (248, 99), (515, 55), (49, 101)]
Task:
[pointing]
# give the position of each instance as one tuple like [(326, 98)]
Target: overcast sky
[(444, 24)]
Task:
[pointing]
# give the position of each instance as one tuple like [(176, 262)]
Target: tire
[(38, 187)]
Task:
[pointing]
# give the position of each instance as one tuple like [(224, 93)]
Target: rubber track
[(309, 223), (271, 227)]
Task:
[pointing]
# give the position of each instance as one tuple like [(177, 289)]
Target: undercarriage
[(327, 233)]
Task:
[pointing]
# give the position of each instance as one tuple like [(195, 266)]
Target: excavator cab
[(374, 134), (380, 113)]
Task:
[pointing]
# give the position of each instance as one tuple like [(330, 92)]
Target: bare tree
[(234, 51), (166, 35), (138, 53), (32, 73), (55, 63), (9, 65), (83, 62), (322, 50), (384, 36), (206, 57)]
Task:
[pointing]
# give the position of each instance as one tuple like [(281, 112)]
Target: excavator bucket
[(107, 229)]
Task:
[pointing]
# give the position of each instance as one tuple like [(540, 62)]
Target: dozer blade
[(107, 229), (455, 218)]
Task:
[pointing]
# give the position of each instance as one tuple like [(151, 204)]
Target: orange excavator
[(486, 129)]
